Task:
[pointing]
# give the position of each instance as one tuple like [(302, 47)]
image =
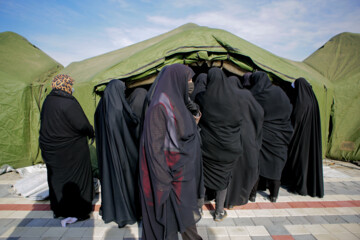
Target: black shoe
[(273, 199), (252, 198), (220, 216)]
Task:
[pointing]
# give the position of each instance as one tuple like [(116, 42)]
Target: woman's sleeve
[(155, 137), (79, 121)]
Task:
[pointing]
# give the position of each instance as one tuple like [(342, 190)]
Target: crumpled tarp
[(33, 184), (6, 168)]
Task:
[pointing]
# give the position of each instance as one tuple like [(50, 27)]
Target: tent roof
[(21, 61), (97, 68), (186, 44), (191, 44), (338, 60), (24, 70)]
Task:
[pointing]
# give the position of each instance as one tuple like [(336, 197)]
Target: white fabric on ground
[(33, 184), (68, 220), (6, 168)]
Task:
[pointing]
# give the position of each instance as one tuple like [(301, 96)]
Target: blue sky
[(70, 30)]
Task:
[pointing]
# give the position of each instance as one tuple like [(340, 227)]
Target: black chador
[(303, 172), (64, 147), (170, 159), (246, 171), (277, 129), (220, 125), (117, 139)]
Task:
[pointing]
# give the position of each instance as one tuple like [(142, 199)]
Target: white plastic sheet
[(33, 184)]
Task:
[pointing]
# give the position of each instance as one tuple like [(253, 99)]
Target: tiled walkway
[(336, 216)]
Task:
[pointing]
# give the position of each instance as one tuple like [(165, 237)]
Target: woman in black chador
[(303, 172), (277, 132), (220, 125), (64, 130), (246, 171), (117, 144), (170, 159)]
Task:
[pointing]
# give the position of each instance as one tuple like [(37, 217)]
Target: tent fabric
[(24, 69), (191, 44), (26, 84), (338, 60)]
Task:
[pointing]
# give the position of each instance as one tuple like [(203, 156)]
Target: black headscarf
[(117, 144), (246, 80), (170, 157), (246, 171), (236, 82), (200, 85), (136, 101), (260, 82), (277, 129), (150, 94), (303, 172), (220, 125)]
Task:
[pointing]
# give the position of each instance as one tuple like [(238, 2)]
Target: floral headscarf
[(63, 82)]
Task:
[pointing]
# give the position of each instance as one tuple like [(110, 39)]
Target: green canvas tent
[(139, 64), (339, 61), (194, 45), (23, 71)]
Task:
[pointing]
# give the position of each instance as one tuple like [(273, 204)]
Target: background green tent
[(139, 64), (339, 61), (191, 44), (23, 71)]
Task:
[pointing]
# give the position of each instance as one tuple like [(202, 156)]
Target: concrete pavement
[(336, 216)]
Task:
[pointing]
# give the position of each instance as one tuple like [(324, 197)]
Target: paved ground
[(336, 216)]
